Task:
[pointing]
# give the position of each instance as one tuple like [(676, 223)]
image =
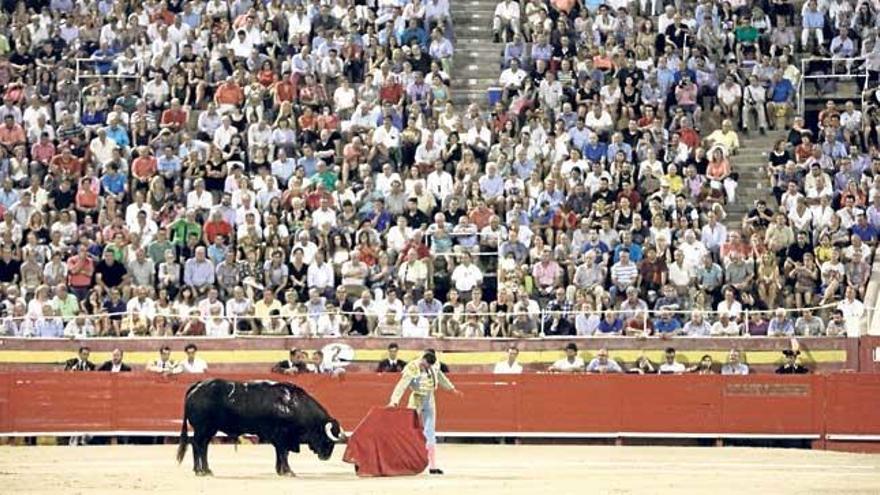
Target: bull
[(278, 413)]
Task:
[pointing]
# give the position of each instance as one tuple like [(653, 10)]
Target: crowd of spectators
[(274, 168)]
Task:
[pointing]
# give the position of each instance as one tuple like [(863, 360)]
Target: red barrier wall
[(758, 404)]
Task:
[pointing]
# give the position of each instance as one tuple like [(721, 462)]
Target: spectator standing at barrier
[(391, 364), (670, 364), (571, 363), (295, 363), (192, 363), (734, 364), (602, 364), (706, 366), (115, 364), (80, 362), (790, 365), (509, 366), (163, 365)]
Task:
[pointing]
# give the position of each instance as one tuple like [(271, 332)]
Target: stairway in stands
[(477, 60), (477, 65), (750, 164)]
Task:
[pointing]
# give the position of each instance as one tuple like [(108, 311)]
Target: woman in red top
[(308, 125), (327, 120), (86, 200), (366, 253), (267, 76)]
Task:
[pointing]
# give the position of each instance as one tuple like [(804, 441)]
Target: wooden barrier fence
[(844, 407)]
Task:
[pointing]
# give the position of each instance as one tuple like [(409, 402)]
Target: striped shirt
[(624, 275)]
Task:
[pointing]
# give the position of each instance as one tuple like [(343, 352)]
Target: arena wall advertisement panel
[(493, 405)]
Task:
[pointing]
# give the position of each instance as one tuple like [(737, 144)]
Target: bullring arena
[(471, 470), (471, 246)]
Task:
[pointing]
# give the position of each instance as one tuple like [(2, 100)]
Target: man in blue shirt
[(117, 132), (114, 181), (626, 243), (865, 231), (491, 184), (8, 194), (813, 23), (522, 167), (168, 165), (414, 32), (667, 324), (594, 150), (308, 161), (617, 144), (779, 98), (780, 326), (103, 58), (579, 134)]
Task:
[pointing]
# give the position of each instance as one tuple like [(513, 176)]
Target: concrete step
[(484, 82), (471, 40), (480, 13)]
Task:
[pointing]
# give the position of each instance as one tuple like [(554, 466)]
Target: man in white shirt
[(320, 275), (511, 79), (324, 214), (671, 366), (440, 183), (223, 134), (466, 276), (164, 364), (599, 121), (729, 97), (754, 99), (102, 147), (571, 363), (199, 198), (192, 364), (141, 303), (415, 325), (387, 135), (725, 327), (509, 366), (507, 18), (853, 312)]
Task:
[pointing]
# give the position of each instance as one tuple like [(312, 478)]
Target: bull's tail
[(184, 439), (184, 433)]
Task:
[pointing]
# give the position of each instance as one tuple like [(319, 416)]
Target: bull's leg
[(281, 465), (200, 449)]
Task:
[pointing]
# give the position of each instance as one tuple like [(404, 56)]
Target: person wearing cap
[(790, 365), (571, 363)]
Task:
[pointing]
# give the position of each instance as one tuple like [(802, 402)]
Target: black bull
[(279, 413)]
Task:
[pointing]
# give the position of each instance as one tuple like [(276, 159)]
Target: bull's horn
[(328, 429)]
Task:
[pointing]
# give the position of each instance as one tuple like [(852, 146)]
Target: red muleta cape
[(388, 442)]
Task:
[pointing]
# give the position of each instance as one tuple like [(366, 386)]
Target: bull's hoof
[(287, 474), (435, 471), (206, 472)]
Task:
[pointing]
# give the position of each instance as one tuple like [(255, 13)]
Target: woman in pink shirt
[(720, 175)]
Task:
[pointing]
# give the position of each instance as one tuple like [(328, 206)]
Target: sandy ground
[(471, 469)]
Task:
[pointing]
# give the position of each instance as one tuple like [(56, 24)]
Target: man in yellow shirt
[(726, 137)]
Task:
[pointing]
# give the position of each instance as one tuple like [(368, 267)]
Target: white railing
[(854, 67), (439, 321)]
